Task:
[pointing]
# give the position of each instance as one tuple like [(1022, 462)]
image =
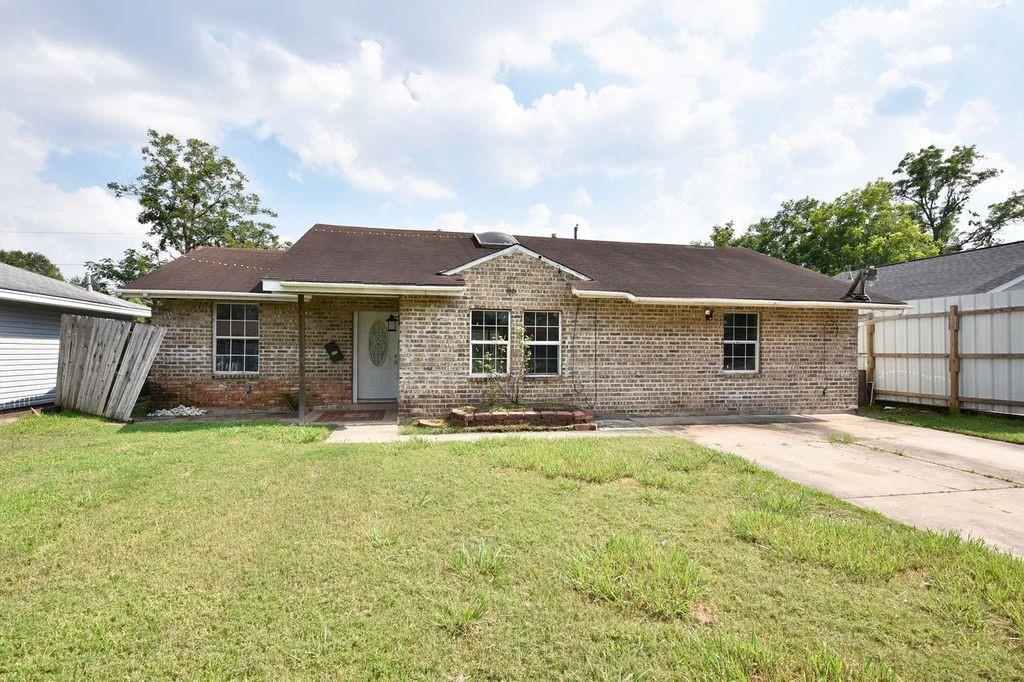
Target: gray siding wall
[(29, 343)]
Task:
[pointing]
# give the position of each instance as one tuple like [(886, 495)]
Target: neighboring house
[(906, 358), (30, 310), (424, 317), (980, 271)]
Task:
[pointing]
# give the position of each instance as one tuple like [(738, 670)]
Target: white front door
[(376, 357)]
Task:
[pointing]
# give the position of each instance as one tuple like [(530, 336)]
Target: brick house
[(427, 318)]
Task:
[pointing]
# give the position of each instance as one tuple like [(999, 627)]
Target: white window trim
[(558, 343), (757, 344), (507, 342), (213, 346)]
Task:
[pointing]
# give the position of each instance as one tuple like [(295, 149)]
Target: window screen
[(236, 337), (740, 342), (543, 342)]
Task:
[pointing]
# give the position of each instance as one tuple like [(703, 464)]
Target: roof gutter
[(74, 304), (215, 295), (360, 289), (752, 302)]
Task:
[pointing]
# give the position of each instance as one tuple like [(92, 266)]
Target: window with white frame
[(236, 337), (488, 334), (740, 342), (543, 339)]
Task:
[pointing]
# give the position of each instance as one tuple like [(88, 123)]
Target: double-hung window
[(543, 332), (236, 338), (740, 343), (488, 334)]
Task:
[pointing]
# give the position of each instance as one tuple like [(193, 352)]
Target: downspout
[(302, 359)]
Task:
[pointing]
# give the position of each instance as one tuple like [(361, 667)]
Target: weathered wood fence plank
[(103, 363)]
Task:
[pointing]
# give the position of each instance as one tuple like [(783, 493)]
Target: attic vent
[(494, 240)]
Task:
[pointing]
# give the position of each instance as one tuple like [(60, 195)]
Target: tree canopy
[(33, 261), (939, 187), (862, 227), (920, 213), (190, 196)]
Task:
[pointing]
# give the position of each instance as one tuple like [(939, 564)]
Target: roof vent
[(494, 240)]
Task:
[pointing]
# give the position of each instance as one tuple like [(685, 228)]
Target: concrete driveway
[(922, 477)]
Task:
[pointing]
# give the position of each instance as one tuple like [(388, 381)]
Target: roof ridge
[(955, 253), (213, 262), (390, 231), (233, 248)]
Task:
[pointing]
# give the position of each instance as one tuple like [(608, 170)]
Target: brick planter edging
[(469, 417)]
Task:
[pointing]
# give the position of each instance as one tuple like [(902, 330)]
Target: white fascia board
[(1006, 285), (60, 302), (214, 295), (749, 302), (516, 248), (359, 289)]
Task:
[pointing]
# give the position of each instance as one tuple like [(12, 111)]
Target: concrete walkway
[(922, 477)]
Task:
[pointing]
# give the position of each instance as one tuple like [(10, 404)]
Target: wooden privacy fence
[(959, 351), (103, 363)]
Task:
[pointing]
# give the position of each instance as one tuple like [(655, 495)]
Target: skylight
[(494, 240)]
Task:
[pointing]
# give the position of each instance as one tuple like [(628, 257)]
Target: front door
[(376, 357)]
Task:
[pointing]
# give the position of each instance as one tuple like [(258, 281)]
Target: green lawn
[(990, 426), (258, 551)]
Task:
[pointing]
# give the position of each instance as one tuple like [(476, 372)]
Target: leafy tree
[(1000, 214), (190, 197), (939, 187), (33, 261), (865, 226)]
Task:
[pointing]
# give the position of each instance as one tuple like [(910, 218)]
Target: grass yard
[(989, 426), (257, 550)]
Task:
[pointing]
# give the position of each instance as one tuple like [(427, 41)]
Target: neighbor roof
[(27, 287), (954, 274), (333, 254)]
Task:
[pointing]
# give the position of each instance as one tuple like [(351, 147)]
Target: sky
[(641, 121)]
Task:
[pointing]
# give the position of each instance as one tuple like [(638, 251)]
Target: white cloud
[(538, 216), (36, 215), (580, 198), (452, 220), (976, 116)]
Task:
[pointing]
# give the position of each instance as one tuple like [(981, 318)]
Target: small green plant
[(482, 558), (654, 577), (456, 621), (291, 400), (841, 437), (423, 500), (380, 537), (734, 658), (653, 496)]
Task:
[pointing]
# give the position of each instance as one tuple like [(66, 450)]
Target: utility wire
[(127, 234), (60, 210)]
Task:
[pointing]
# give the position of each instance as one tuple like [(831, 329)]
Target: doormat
[(352, 416)]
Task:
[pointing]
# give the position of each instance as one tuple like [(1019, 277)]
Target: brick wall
[(619, 357), (183, 370)]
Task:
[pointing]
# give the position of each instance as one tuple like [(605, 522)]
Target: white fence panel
[(989, 332)]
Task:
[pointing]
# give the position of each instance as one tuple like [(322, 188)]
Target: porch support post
[(302, 359)]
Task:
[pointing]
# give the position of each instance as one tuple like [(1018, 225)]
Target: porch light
[(392, 323), (708, 314)]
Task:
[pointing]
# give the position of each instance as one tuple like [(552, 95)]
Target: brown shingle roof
[(211, 268), (340, 254)]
